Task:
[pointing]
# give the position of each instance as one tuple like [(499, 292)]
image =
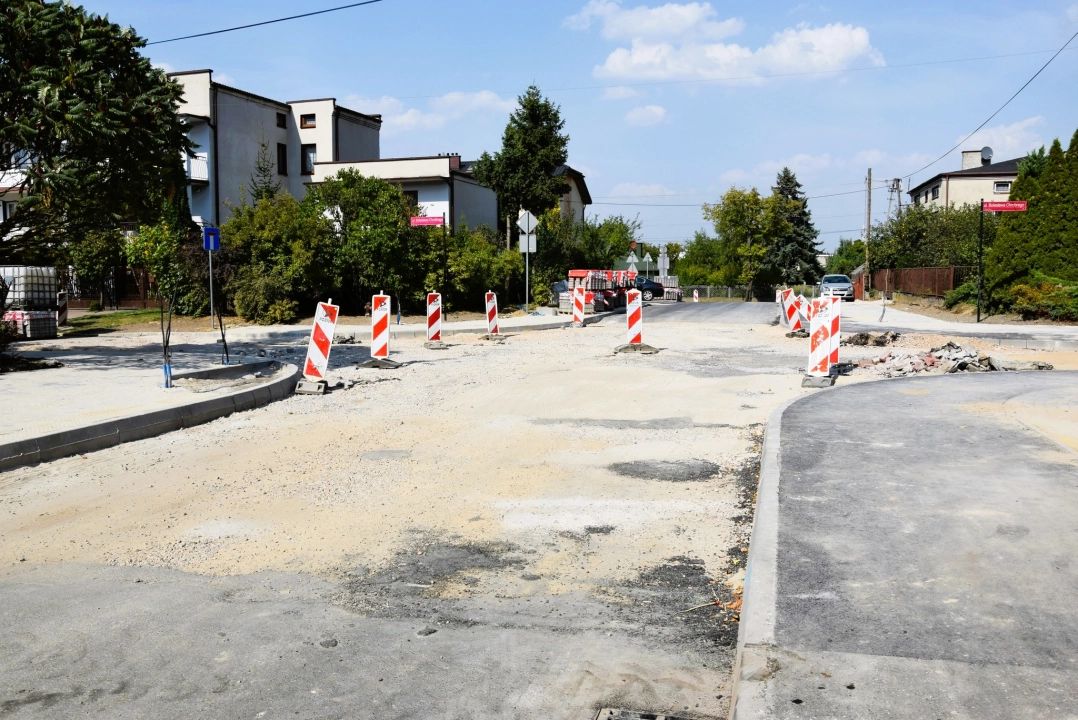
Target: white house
[(575, 200), (441, 185), (979, 179), (227, 125)]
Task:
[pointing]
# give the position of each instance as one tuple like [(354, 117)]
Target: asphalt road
[(926, 545), (737, 313)]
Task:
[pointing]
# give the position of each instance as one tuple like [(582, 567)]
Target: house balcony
[(198, 170)]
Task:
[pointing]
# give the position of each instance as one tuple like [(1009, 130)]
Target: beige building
[(576, 197), (226, 125), (979, 179)]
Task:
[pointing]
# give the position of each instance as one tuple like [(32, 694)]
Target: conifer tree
[(795, 253), (264, 183)]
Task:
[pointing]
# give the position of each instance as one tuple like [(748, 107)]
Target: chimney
[(971, 159), (454, 161)]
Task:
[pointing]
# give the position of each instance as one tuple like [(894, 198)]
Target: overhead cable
[(265, 22)]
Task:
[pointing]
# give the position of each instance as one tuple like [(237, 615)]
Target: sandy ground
[(598, 473)]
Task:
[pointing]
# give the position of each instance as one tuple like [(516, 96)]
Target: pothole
[(667, 470)]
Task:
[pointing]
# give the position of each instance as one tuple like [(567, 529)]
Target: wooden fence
[(928, 282)]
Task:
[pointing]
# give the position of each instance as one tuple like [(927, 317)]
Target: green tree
[(707, 261), (88, 124), (849, 256), (923, 236), (1044, 240), (795, 253), (96, 256), (751, 224), (1033, 165), (533, 147), (265, 183)]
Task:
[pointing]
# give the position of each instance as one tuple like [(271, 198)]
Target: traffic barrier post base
[(578, 324), (309, 387), (381, 363), (493, 336), (818, 381), (435, 345), (641, 348)]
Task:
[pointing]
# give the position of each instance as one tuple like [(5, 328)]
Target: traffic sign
[(424, 221), (211, 239), (528, 223), (1006, 206), (647, 258), (632, 258), (527, 243)]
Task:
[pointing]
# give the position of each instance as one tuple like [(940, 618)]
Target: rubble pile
[(950, 358), (866, 339)]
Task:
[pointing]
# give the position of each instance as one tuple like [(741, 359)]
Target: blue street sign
[(211, 239)]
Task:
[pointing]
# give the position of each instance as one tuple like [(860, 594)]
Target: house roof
[(578, 178), (1005, 168)]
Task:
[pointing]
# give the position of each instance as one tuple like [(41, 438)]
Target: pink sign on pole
[(423, 221), (1006, 206)]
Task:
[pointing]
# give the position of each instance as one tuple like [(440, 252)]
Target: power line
[(265, 22), (696, 205), (997, 112)]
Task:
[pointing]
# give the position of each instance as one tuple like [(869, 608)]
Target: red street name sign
[(1016, 206), (422, 221)]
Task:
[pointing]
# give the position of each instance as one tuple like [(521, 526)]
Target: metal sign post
[(211, 243), (647, 265), (528, 224)]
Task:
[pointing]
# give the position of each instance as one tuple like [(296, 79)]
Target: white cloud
[(1008, 141), (669, 21), (398, 118), (1072, 12), (640, 190), (164, 66), (805, 49), (224, 79), (646, 115), (620, 92)]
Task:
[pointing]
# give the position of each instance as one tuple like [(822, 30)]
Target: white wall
[(321, 135), (241, 122), (433, 197), (196, 93), (959, 191), (389, 169)]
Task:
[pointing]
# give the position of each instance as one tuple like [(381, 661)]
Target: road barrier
[(634, 314), (380, 307), (434, 317), (578, 307), (325, 323), (492, 313), (61, 308), (696, 296), (824, 333)]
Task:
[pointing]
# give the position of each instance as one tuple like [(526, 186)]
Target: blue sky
[(665, 103)]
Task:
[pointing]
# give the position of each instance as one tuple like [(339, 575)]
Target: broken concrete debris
[(864, 339), (950, 358)]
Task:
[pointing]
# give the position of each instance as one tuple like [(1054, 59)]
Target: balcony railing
[(198, 169)]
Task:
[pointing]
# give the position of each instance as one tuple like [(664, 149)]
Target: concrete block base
[(815, 381), (435, 345), (642, 349), (578, 324), (497, 337), (381, 363), (311, 387)]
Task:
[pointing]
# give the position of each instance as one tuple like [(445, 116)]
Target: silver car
[(837, 286)]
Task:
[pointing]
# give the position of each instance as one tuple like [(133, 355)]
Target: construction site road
[(735, 312), (533, 527), (925, 554)]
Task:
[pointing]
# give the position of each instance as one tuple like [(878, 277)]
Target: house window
[(306, 121), (936, 193), (282, 120), (282, 159), (1003, 188), (308, 156), (412, 197), (7, 210)]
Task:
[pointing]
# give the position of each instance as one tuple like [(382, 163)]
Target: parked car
[(837, 286), (649, 289)]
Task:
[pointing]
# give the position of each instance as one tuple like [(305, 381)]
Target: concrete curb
[(137, 427), (756, 631)]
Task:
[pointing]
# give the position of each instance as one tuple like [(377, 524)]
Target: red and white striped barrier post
[(696, 296), (434, 322), (818, 373), (836, 327), (380, 311), (578, 307), (317, 363), (492, 315), (634, 322), (61, 308), (785, 300)]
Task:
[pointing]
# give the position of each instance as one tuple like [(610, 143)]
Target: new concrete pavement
[(914, 554)]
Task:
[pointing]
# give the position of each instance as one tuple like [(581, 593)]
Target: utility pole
[(868, 231), (980, 261)]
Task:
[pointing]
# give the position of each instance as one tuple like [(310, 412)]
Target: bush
[(1045, 298), (964, 293), (261, 295), (95, 306)]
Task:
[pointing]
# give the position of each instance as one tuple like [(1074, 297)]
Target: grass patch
[(95, 322)]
